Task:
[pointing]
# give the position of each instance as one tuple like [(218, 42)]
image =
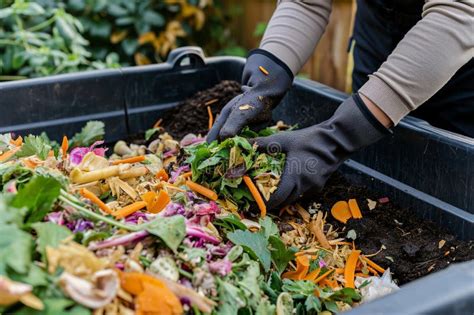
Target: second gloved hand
[(265, 80), (314, 153)]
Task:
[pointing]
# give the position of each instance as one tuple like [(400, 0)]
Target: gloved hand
[(265, 80), (314, 153)]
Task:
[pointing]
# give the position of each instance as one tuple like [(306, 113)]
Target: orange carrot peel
[(206, 192), (211, 117), (64, 147), (187, 174), (372, 264), (18, 142), (128, 210), (92, 197), (156, 202), (256, 195), (162, 175), (340, 211), (302, 267), (152, 295), (135, 159), (8, 154), (349, 270), (354, 208), (323, 276)]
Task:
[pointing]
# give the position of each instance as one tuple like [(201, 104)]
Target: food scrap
[(160, 228)]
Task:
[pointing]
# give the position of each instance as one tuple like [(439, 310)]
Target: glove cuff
[(369, 116), (273, 58)]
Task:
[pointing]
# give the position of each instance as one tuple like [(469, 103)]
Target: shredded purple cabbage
[(80, 225), (169, 153), (121, 240), (172, 209), (56, 217), (197, 232), (77, 154), (179, 170), (222, 267), (135, 217)]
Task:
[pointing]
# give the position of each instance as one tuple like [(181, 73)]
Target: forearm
[(294, 30), (424, 61)]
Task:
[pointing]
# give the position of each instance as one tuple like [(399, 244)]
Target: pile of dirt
[(192, 115), (412, 247)]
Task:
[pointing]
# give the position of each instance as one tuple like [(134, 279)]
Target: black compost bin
[(428, 170)]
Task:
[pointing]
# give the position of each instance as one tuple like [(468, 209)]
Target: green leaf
[(250, 284), (129, 46), (230, 223), (255, 244), (231, 298), (10, 214), (269, 227), (331, 306), (281, 255), (265, 308), (35, 276), (260, 29), (209, 162), (91, 132), (38, 196), (49, 234), (312, 303), (150, 132), (34, 145), (15, 249), (171, 230), (154, 18), (298, 287)]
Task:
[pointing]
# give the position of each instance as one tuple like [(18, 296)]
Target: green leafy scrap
[(15, 249), (171, 230), (49, 234), (91, 132), (38, 197), (221, 165), (34, 145), (255, 244)]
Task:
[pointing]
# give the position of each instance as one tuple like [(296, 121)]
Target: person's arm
[(294, 30), (424, 60)]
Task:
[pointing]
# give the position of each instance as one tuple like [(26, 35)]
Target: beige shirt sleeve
[(425, 59), (294, 30)]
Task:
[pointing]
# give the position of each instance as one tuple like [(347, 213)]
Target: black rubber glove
[(265, 81), (314, 153)]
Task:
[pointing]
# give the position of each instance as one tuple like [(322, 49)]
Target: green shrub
[(45, 37)]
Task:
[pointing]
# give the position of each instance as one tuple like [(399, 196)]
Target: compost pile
[(172, 226)]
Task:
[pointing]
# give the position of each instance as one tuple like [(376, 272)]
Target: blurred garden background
[(47, 37)]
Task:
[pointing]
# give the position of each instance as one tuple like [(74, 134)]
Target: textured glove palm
[(314, 153), (265, 80)]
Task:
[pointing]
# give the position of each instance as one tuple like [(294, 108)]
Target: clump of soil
[(413, 247), (192, 116)]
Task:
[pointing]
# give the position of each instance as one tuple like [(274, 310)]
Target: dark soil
[(192, 115), (412, 245)]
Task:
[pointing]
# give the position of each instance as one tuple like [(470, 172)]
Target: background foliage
[(44, 37)]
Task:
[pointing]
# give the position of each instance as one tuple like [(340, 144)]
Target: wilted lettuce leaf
[(91, 132)]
